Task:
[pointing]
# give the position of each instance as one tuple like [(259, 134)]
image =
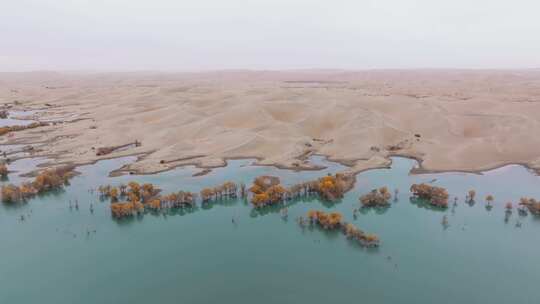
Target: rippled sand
[(451, 120)]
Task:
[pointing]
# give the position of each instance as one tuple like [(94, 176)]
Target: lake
[(62, 255)]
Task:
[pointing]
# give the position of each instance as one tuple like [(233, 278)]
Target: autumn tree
[(155, 204), (376, 198), (52, 179), (260, 199), (113, 194), (27, 190), (104, 190), (126, 209), (3, 170), (135, 188), (471, 195), (531, 204), (123, 189), (436, 196), (11, 194), (266, 190), (207, 194), (334, 221), (326, 220)]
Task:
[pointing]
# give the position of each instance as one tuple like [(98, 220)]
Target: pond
[(60, 254)]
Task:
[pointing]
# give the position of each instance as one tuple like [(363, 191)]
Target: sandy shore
[(450, 120)]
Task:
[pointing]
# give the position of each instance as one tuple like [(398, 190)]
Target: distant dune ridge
[(448, 119)]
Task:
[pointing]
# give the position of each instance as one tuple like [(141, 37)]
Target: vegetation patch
[(376, 198), (47, 180), (436, 196), (5, 130), (531, 204), (334, 221)]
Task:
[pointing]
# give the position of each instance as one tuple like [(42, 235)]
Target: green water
[(202, 257)]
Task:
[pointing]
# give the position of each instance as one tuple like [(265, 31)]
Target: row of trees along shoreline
[(134, 198)]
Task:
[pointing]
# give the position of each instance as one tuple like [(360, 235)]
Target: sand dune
[(451, 120)]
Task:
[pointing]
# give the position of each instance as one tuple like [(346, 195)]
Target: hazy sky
[(273, 34)]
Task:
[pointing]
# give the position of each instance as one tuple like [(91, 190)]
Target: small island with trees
[(139, 198), (435, 196), (47, 180), (376, 198), (334, 221)]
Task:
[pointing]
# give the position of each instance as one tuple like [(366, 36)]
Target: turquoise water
[(200, 256)]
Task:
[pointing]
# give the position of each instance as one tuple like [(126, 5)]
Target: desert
[(450, 120)]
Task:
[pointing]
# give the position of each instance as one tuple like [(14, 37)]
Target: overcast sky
[(273, 34)]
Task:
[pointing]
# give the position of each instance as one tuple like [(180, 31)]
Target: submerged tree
[(134, 191), (260, 199), (326, 220), (53, 178), (436, 196), (364, 239), (243, 192), (489, 200), (143, 197), (333, 187), (148, 192), (47, 180), (267, 190), (207, 194), (11, 194), (154, 204), (113, 193), (104, 191), (376, 198), (508, 211), (226, 190), (531, 204), (471, 195), (179, 199), (276, 193), (123, 189), (334, 221), (126, 209), (3, 170)]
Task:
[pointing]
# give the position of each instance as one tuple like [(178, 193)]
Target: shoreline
[(206, 169), (447, 119)]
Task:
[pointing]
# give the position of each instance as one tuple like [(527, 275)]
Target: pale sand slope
[(467, 120)]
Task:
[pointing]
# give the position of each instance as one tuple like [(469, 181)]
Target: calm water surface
[(200, 256), (12, 119)]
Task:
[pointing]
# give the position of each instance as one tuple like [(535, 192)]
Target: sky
[(182, 35)]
